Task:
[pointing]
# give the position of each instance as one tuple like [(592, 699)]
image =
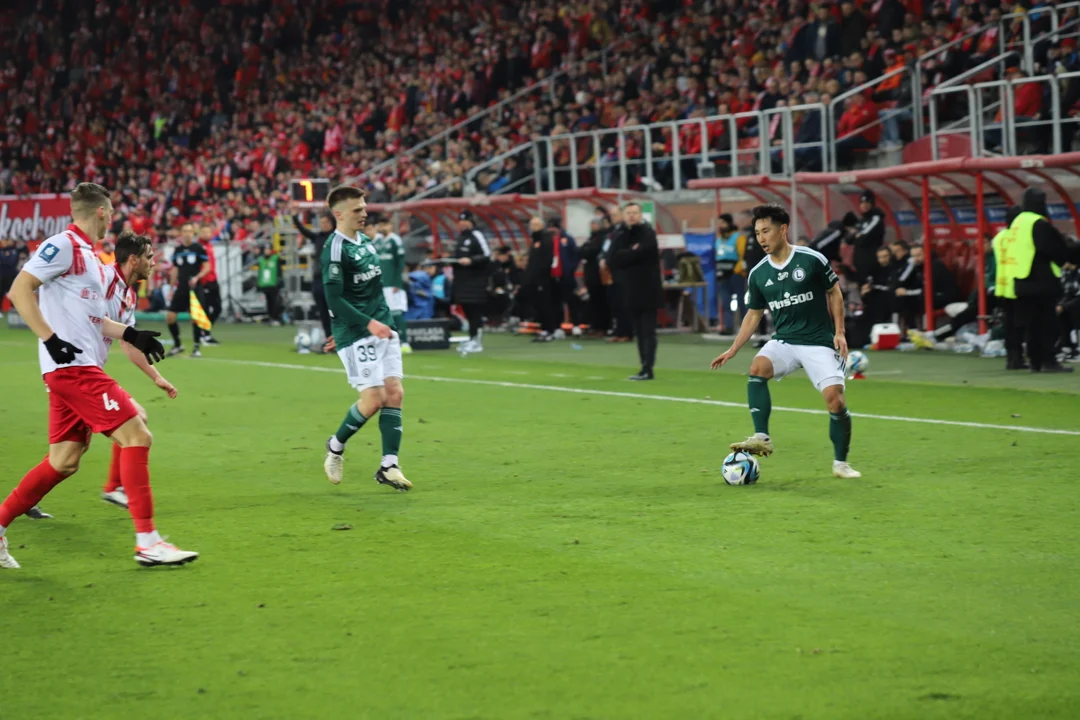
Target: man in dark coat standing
[(471, 269), (541, 292), (638, 257), (869, 236), (612, 278), (600, 315)]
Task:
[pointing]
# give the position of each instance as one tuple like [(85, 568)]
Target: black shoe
[(196, 353), (643, 375), (36, 513), (176, 350), (393, 477), (1057, 368), (209, 340), (1019, 366)]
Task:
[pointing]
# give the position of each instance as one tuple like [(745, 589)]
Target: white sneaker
[(6, 561), (754, 445), (393, 477), (116, 497), (843, 470), (163, 553), (332, 464), (406, 348)]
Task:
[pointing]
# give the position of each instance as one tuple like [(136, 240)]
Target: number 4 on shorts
[(110, 404)]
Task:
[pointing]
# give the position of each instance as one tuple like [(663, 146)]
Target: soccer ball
[(857, 362), (303, 343), (741, 468)]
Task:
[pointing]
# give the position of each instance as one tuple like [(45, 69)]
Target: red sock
[(35, 485), (135, 476), (114, 470)]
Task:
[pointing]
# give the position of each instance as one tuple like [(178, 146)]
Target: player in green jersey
[(368, 347), (391, 251), (799, 288)]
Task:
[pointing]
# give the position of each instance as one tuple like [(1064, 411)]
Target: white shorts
[(370, 361), (397, 300), (824, 366)]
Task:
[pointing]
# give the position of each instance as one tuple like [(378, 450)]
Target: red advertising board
[(34, 216)]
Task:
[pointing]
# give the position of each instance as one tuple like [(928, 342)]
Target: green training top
[(352, 279), (391, 259), (795, 295)]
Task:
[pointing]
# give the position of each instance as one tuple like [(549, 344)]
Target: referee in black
[(190, 266), (318, 239), (637, 255)]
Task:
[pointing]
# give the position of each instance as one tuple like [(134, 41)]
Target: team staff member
[(638, 256), (540, 294), (190, 266), (211, 290), (318, 239), (471, 277), (1032, 261), (869, 235), (730, 246)]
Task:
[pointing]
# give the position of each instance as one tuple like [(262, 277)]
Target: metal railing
[(1008, 130)]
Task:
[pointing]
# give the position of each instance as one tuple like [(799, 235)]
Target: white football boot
[(332, 464), (843, 470), (393, 477), (163, 553), (116, 497), (757, 444), (6, 561)]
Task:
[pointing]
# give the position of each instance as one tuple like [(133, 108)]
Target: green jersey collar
[(358, 240)]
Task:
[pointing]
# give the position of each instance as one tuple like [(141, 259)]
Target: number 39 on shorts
[(365, 353)]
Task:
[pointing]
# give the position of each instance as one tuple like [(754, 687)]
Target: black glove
[(146, 342), (61, 351)]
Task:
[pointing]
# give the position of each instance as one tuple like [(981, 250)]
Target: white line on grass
[(664, 398)]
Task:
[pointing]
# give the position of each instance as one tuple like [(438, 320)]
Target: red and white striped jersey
[(72, 296), (120, 299)]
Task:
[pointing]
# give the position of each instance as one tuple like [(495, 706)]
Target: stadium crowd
[(208, 107)]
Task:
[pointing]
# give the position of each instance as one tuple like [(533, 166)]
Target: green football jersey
[(352, 276), (795, 294), (391, 259)]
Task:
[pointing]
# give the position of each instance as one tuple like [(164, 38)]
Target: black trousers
[(599, 313), (272, 296), (474, 313), (1014, 334), (319, 294), (1068, 320), (6, 281), (211, 300), (1038, 317), (623, 321), (645, 329)]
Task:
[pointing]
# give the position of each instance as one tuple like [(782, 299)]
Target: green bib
[(268, 272)]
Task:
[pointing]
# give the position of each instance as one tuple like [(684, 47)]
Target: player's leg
[(401, 325), (774, 360), (827, 370), (134, 439), (113, 491), (364, 373), (181, 302), (391, 424)]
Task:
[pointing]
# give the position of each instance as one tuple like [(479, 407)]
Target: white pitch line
[(664, 398)]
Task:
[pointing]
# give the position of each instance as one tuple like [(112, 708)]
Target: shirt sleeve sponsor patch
[(49, 252)]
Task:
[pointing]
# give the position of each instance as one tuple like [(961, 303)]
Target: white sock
[(145, 540), (389, 460), (762, 436), (336, 445)]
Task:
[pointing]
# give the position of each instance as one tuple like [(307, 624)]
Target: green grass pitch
[(565, 554)]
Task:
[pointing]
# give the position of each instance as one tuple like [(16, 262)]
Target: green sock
[(350, 425), (391, 427), (757, 395), (400, 326), (840, 434)]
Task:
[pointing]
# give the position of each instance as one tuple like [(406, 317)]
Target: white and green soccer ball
[(857, 362), (740, 468), (303, 342)]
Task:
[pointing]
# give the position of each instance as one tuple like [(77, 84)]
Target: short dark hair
[(727, 217), (342, 193), (505, 249), (86, 197), (631, 204), (129, 244), (773, 212), (900, 243)]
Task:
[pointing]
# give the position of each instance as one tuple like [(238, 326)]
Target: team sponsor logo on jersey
[(798, 275), (373, 271), (768, 283), (49, 252), (335, 270), (782, 276), (790, 300), (95, 320), (88, 294)]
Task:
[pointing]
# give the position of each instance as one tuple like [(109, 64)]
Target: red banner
[(33, 217)]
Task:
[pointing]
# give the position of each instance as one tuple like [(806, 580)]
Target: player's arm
[(25, 301), (333, 287), (835, 298), (755, 308), (49, 262), (204, 267), (138, 359), (145, 341), (481, 258)]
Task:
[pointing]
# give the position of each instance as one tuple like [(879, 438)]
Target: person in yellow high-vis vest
[(1033, 261), (1005, 292)]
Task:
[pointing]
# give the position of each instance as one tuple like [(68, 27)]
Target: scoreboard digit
[(309, 191)]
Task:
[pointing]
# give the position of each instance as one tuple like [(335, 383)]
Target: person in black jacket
[(869, 235), (907, 284), (600, 313), (612, 277), (1038, 293), (877, 297), (541, 294), (638, 256), (1068, 312), (471, 269), (318, 239), (827, 242)]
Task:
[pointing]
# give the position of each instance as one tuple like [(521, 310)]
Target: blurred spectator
[(270, 278), (564, 273), (470, 288), (828, 241), (537, 285), (869, 235), (730, 272), (9, 266), (106, 254), (857, 129), (613, 279), (1027, 106), (1068, 312), (599, 311), (421, 295), (877, 296)]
